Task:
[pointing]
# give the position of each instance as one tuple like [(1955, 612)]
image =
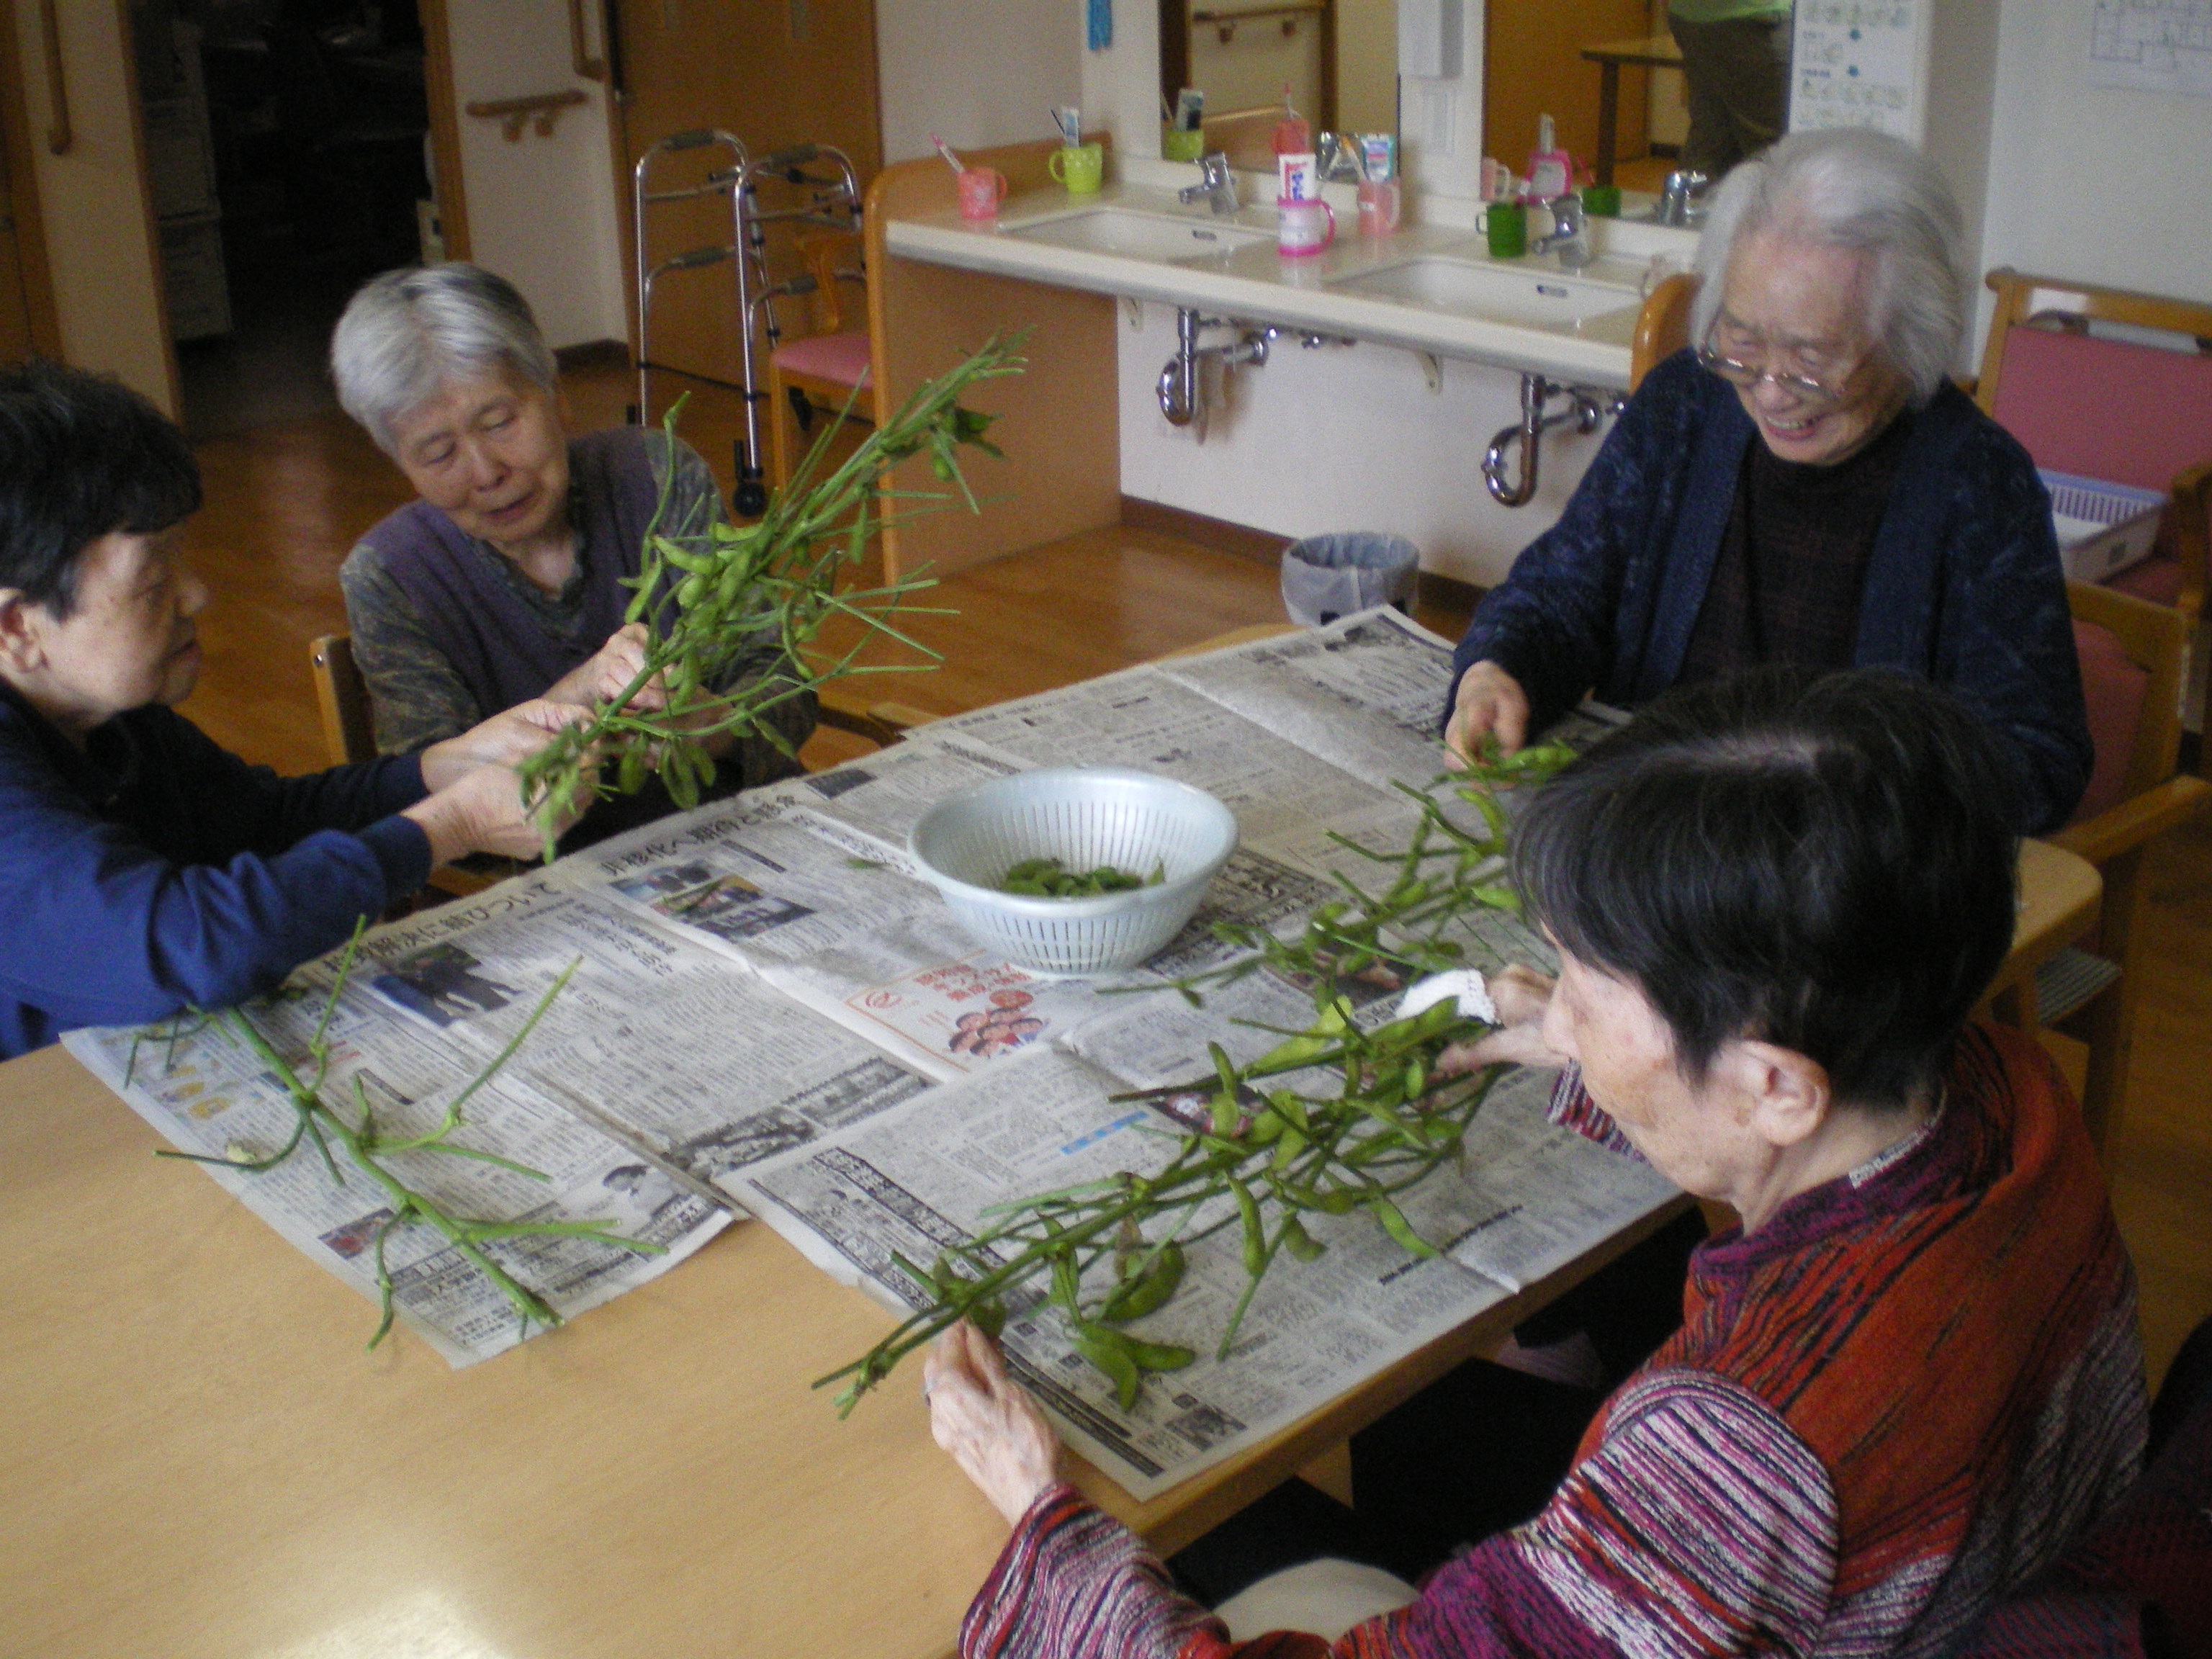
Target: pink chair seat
[(841, 359), (2113, 686)]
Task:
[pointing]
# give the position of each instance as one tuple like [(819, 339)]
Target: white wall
[(1341, 438), (2092, 182), (541, 212), (98, 243), (980, 72)]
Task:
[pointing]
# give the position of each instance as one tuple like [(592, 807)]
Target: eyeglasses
[(1803, 387)]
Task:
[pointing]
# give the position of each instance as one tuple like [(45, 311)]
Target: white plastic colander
[(1083, 816)]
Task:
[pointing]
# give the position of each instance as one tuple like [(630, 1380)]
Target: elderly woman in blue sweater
[(1804, 486)]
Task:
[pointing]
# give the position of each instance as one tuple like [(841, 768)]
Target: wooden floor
[(285, 501)]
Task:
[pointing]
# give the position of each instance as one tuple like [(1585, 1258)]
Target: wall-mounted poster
[(2151, 46), (1858, 64)]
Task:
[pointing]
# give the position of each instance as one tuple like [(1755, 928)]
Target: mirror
[(1339, 58), (1556, 57)]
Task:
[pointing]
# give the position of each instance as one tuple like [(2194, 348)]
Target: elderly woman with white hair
[(507, 579), (1878, 519)]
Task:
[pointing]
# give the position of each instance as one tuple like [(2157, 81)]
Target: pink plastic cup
[(981, 189), (1304, 228)]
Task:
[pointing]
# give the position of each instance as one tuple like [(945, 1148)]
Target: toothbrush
[(1069, 119), (946, 150)]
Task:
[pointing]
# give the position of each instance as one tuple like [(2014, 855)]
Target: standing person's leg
[(1753, 58), (1711, 147)]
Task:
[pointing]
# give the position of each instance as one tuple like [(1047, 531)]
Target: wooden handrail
[(545, 105), (1225, 22), (60, 138), (587, 67)]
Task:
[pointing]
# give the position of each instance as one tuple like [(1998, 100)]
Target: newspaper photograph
[(762, 881), (213, 1096)]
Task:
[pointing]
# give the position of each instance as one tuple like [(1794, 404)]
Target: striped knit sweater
[(1898, 1400)]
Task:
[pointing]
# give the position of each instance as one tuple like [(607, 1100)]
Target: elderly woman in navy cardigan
[(1879, 520), (507, 579)]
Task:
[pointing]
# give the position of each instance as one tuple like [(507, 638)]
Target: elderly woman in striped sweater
[(1909, 1377)]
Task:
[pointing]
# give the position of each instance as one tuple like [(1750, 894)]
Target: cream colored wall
[(100, 248), (982, 72), (2093, 182), (541, 212)]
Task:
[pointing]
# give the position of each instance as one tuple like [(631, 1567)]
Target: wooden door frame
[(1174, 58), (448, 189), (133, 110), (23, 189)]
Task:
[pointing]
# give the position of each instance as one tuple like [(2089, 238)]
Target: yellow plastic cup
[(1081, 168)]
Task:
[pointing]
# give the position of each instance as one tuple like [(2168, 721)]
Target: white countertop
[(1255, 282)]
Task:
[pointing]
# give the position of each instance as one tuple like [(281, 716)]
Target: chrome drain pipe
[(1586, 407)]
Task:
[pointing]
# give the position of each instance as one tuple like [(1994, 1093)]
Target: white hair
[(1850, 188), (408, 332)]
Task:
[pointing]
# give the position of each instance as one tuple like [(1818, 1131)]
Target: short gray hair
[(408, 332), (1847, 188)]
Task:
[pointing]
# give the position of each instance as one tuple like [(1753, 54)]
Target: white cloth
[(1328, 1597)]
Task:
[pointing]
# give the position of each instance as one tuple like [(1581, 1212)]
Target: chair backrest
[(2135, 664), (831, 257), (349, 727), (2110, 409), (1663, 326)]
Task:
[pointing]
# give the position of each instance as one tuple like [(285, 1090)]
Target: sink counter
[(1425, 289)]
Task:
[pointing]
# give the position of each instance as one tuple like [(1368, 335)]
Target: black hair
[(81, 456), (1820, 863)]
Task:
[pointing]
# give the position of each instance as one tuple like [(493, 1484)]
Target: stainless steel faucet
[(1215, 182), (1569, 236), (1681, 198)]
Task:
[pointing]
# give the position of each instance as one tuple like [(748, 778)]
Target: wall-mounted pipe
[(1586, 406), (1181, 388)]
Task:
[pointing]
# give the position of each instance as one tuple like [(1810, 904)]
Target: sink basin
[(1141, 235), (1543, 299)]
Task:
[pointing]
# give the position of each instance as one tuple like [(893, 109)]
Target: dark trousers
[(1478, 1451), (1738, 75)]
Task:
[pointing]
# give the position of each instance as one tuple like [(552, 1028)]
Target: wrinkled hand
[(506, 739), (987, 1421), (1489, 700), (483, 812), (1522, 996), (609, 672)]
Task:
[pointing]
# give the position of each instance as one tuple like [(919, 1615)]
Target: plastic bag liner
[(1325, 577)]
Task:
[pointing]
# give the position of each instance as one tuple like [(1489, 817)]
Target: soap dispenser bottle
[(1551, 169)]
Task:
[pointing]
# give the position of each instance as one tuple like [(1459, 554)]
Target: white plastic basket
[(2103, 528), (1084, 816)]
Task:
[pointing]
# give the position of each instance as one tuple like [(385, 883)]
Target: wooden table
[(199, 1460), (1656, 51)]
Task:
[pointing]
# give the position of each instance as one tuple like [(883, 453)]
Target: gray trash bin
[(1325, 577)]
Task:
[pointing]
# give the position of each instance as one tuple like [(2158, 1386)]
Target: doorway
[(285, 157)]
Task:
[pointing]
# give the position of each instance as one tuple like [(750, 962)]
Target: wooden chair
[(829, 368), (350, 728), (2134, 659), (1663, 326), (2110, 409)]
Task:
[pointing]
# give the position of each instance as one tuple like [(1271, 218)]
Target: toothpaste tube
[(1378, 156)]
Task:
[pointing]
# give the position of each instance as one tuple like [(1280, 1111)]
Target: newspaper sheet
[(212, 1095)]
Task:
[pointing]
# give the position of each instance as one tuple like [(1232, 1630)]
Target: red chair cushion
[(2103, 409), (2112, 685), (841, 359)]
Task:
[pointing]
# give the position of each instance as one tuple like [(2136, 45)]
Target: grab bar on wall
[(59, 137), (515, 111)]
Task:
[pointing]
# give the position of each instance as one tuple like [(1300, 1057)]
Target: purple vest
[(495, 641)]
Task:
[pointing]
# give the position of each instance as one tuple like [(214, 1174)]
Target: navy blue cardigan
[(1963, 586), (153, 871)]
